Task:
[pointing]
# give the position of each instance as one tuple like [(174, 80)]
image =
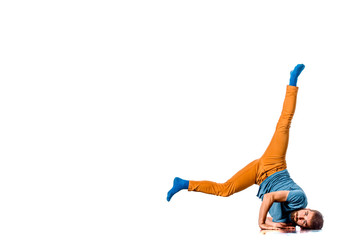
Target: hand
[(286, 226), (265, 226), (280, 231)]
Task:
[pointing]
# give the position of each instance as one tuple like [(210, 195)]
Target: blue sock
[(294, 74), (179, 184)]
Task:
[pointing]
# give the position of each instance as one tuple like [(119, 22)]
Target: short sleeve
[(296, 200)]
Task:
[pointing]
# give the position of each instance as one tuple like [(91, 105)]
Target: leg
[(179, 184), (294, 74), (273, 159), (240, 181)]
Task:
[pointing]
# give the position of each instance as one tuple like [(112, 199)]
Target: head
[(307, 218)]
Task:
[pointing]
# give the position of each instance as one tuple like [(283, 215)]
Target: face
[(302, 217)]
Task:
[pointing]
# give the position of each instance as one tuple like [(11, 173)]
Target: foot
[(179, 184), (294, 74)]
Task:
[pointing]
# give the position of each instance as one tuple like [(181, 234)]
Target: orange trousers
[(272, 161)]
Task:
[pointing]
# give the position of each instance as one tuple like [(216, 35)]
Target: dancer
[(281, 197)]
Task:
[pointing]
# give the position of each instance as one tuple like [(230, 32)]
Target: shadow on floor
[(289, 231)]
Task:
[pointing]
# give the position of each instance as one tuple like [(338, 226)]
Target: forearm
[(269, 222), (264, 208), (268, 200)]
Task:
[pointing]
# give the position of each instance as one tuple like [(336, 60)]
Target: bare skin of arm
[(269, 198), (286, 226), (269, 221)]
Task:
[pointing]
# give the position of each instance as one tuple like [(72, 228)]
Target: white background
[(103, 103)]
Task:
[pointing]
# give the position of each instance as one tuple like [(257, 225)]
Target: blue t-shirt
[(281, 181)]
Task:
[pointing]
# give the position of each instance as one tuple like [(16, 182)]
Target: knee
[(226, 189)]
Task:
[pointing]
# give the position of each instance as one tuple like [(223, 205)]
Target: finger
[(274, 228), (287, 226)]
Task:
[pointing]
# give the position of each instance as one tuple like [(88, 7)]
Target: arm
[(269, 221), (267, 202), (283, 226)]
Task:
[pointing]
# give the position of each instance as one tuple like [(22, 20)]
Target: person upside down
[(281, 197)]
